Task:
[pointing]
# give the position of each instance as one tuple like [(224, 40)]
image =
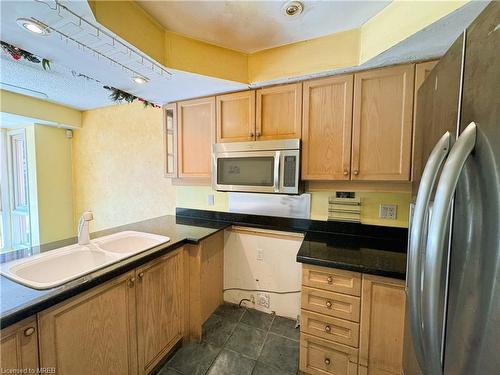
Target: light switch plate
[(388, 211)]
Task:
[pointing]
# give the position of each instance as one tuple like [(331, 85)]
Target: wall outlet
[(210, 199), (264, 300), (260, 254), (388, 211)]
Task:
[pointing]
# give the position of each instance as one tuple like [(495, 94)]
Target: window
[(15, 214)]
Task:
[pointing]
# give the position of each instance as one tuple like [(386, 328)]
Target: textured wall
[(118, 166)]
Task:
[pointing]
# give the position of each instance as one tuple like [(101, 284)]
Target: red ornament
[(16, 56)]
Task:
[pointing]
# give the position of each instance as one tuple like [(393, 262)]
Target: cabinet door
[(236, 117), (93, 333), (195, 135), (159, 308), (279, 111), (422, 71), (382, 325), (326, 128), (170, 139), (19, 346), (382, 125)]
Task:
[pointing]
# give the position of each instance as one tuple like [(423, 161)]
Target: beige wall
[(118, 166)]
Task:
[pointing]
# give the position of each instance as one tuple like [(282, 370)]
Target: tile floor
[(239, 341)]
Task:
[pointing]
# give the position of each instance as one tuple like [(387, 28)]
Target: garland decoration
[(17, 53), (119, 96)]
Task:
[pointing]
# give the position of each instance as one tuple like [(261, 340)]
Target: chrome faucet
[(83, 228)]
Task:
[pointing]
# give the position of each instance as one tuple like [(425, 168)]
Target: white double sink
[(59, 266)]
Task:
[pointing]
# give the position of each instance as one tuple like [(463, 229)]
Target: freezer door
[(473, 322)]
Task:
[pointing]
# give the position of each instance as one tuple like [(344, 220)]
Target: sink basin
[(129, 242), (59, 266)]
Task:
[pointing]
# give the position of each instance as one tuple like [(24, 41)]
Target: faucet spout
[(83, 228)]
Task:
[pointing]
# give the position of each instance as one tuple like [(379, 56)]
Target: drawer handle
[(328, 329), (328, 304), (327, 361), (29, 331), (329, 279)]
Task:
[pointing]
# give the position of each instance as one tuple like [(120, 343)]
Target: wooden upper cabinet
[(422, 71), (170, 139), (382, 325), (159, 308), (19, 347), (236, 117), (326, 128), (92, 333), (279, 112), (195, 136), (382, 124)]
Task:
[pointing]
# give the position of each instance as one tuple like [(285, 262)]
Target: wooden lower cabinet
[(206, 267), (93, 333), (159, 296), (331, 339), (19, 347), (323, 357), (382, 325), (125, 326)]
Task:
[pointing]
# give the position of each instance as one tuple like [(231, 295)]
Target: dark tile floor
[(239, 341)]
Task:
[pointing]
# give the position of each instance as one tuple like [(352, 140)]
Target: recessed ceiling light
[(33, 26), (140, 79), (293, 8)]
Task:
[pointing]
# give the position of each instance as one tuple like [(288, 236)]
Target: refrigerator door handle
[(435, 243), (415, 252)]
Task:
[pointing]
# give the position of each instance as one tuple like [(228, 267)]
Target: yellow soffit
[(39, 109), (394, 23), (398, 21)]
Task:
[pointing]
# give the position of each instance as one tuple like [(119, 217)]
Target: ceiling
[(250, 26), (63, 83)]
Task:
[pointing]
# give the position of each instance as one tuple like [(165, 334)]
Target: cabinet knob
[(346, 172), (131, 282), (329, 279), (356, 172), (251, 135), (328, 329), (29, 331), (328, 304), (257, 134), (327, 361), (141, 275)]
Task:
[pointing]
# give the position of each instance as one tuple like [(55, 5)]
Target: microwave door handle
[(435, 242), (276, 183), (415, 256)]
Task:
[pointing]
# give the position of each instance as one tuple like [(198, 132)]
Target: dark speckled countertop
[(377, 256), (18, 302), (362, 248)]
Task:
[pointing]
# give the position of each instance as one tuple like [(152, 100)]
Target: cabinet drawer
[(332, 279), (323, 357), (327, 327), (331, 303)]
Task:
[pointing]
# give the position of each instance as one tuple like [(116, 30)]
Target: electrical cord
[(262, 290)]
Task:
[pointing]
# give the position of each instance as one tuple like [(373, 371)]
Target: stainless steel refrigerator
[(453, 279)]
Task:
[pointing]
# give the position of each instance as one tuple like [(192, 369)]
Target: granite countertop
[(362, 248), (376, 256), (18, 301)]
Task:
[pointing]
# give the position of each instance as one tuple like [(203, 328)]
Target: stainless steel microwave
[(259, 166)]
